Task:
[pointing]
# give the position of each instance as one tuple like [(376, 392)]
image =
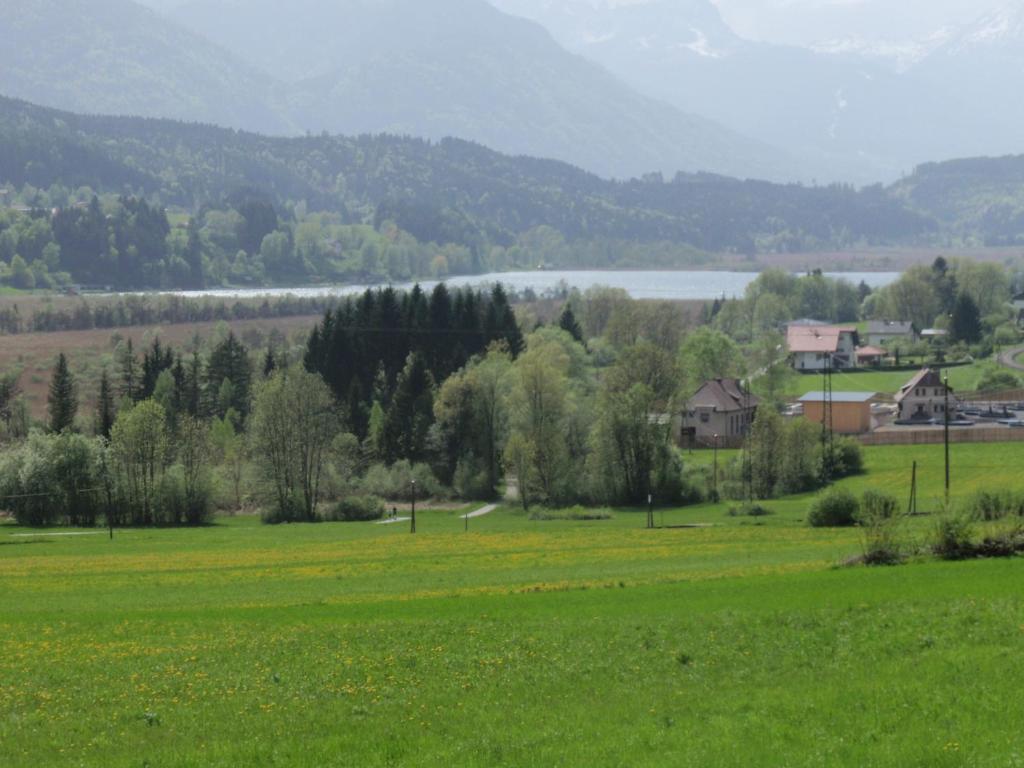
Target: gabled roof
[(816, 338), (926, 377), (724, 395), (889, 326), (839, 397), (870, 351)]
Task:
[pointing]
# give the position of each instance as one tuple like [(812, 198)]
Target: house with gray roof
[(882, 333), (720, 407)]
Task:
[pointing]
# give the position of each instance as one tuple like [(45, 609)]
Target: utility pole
[(412, 523), (650, 510), (912, 506), (945, 386), (714, 477)]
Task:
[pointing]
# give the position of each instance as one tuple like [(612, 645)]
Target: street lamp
[(412, 524)]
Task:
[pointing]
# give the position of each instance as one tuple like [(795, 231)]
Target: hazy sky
[(808, 21)]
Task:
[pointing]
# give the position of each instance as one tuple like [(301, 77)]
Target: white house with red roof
[(817, 347)]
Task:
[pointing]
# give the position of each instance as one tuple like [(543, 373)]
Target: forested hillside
[(979, 198), (382, 206)]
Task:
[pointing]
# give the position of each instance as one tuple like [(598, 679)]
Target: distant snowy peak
[(647, 25), (898, 54), (1000, 28)]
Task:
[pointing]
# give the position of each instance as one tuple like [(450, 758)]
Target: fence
[(935, 436)]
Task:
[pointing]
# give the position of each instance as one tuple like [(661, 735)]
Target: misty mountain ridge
[(856, 109), (445, 68)]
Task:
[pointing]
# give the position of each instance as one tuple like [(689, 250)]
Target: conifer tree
[(105, 409), (567, 322), (63, 398)]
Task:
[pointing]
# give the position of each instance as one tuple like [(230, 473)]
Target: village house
[(817, 347), (720, 407), (870, 357), (851, 411), (923, 398), (882, 333)]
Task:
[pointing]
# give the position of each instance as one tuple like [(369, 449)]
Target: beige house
[(923, 398), (720, 407)]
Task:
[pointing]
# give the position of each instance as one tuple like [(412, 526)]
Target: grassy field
[(519, 643), (89, 352), (962, 378)]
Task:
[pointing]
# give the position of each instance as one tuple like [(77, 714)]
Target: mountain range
[(620, 89), (445, 68), (851, 116)]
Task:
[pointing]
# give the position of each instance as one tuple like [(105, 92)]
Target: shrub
[(876, 506), (749, 510), (572, 513), (994, 505), (291, 511), (356, 509), (879, 519), (835, 508), (848, 457), (1002, 544), (954, 538), (395, 482)]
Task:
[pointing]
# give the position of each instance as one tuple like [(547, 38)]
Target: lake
[(640, 284)]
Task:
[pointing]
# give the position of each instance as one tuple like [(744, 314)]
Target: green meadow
[(518, 643), (962, 378)]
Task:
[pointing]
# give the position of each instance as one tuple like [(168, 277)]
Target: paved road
[(1009, 358), (481, 512)]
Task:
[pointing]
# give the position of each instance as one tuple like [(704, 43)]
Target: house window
[(705, 417)]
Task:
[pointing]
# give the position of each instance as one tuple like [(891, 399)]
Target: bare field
[(33, 354)]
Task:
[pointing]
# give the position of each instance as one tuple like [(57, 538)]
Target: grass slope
[(519, 643)]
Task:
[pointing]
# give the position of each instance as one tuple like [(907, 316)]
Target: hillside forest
[(131, 203)]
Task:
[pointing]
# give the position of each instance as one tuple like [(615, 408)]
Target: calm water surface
[(640, 284)]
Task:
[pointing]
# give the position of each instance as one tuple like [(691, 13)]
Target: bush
[(836, 508), (879, 518), (395, 482), (1002, 544), (292, 511), (356, 509), (472, 482), (994, 505), (877, 506), (749, 510), (848, 456), (572, 513), (954, 536)]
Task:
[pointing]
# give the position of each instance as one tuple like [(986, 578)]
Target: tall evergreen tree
[(129, 373), (411, 412), (966, 322), (105, 409), (63, 397), (567, 322), (229, 360)]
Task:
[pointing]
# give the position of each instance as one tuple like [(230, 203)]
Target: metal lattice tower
[(827, 426)]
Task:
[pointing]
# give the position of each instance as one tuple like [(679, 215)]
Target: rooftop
[(724, 395), (816, 338), (891, 326), (839, 397)]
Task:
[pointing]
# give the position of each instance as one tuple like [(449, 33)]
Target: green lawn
[(962, 378), (519, 643)]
